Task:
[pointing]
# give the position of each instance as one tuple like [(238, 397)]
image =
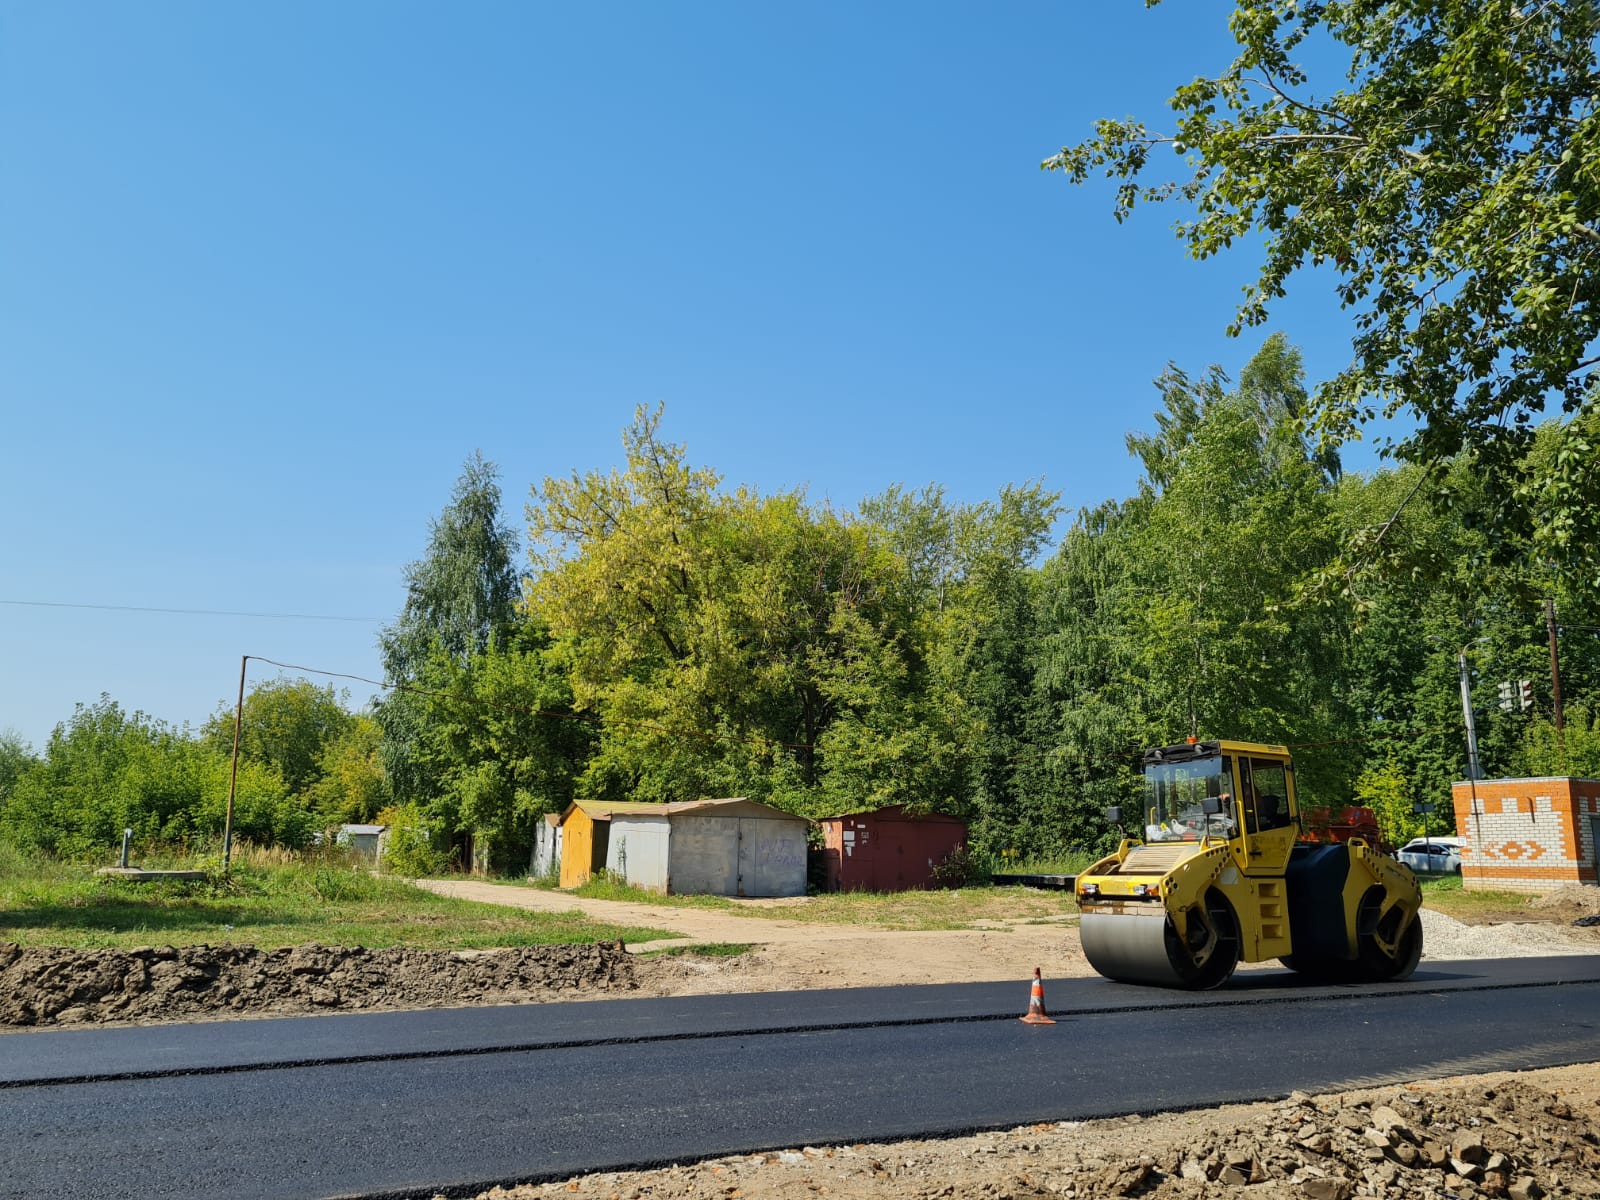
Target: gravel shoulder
[(1514, 1135)]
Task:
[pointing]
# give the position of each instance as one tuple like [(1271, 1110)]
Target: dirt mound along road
[(42, 985)]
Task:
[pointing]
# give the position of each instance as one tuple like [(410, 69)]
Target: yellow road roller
[(1217, 874)]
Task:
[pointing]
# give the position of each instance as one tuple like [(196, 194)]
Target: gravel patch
[(1445, 937)]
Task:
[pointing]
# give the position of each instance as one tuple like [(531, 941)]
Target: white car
[(1432, 856)]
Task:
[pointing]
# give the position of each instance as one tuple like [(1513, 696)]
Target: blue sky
[(273, 272)]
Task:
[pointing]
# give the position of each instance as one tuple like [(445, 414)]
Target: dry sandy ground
[(1320, 1148), (791, 954)]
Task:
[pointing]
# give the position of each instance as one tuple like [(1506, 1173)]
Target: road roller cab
[(1218, 875)]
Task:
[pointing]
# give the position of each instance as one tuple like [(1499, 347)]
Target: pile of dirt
[(44, 985), (1502, 1137), (1578, 903), (1584, 897)]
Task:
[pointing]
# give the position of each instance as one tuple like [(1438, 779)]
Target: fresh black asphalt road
[(406, 1103)]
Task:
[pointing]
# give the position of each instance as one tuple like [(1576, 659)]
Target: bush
[(106, 770), (410, 850), (960, 868)]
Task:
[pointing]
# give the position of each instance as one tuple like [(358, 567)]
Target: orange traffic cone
[(1036, 1014)]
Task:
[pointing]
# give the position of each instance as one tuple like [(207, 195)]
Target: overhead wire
[(190, 612), (554, 714)]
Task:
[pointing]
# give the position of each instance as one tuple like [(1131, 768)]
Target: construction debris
[(1498, 1139)]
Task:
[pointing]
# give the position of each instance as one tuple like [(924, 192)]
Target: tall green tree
[(1222, 548), (703, 628), (285, 724), (1445, 182), (1174, 613), (461, 595), (351, 785), (500, 738), (1085, 718), (15, 758), (968, 597)]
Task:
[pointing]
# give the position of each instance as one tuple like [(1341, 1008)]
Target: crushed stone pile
[(1512, 1141), (1444, 937), (44, 985)]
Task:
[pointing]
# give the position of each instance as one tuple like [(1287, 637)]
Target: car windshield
[(1173, 793)]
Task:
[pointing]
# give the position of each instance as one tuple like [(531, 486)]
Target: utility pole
[(1555, 663), (1555, 680), (1466, 713), (233, 777)]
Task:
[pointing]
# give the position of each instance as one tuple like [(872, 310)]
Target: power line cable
[(546, 713), (190, 612)]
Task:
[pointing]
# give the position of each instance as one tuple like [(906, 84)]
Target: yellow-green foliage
[(412, 848), (1387, 791)]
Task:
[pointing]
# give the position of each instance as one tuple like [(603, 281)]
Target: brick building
[(1528, 835)]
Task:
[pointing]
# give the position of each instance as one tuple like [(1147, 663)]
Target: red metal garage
[(888, 850)]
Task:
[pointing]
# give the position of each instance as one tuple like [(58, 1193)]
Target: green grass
[(1067, 863), (1444, 893), (268, 904), (603, 885)]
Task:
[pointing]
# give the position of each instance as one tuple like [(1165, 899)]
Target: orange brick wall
[(1526, 834)]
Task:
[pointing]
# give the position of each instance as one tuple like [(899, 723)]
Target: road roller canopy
[(1189, 789), (1176, 789)]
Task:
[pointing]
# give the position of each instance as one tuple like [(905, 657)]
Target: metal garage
[(637, 847), (888, 850), (546, 846), (586, 836), (733, 847), (737, 847)]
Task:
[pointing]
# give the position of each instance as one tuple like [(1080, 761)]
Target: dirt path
[(793, 953)]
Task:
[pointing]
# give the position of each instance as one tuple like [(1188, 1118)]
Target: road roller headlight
[(1091, 889), (1144, 890)]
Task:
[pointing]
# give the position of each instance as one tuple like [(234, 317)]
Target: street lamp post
[(1466, 712)]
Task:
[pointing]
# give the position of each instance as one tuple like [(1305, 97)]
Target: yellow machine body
[(1220, 877)]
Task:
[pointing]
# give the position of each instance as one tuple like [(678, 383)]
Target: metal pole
[(1466, 713), (233, 777), (1555, 680), (1555, 663)]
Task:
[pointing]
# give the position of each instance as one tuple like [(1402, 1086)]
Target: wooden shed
[(889, 849), (586, 836)]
